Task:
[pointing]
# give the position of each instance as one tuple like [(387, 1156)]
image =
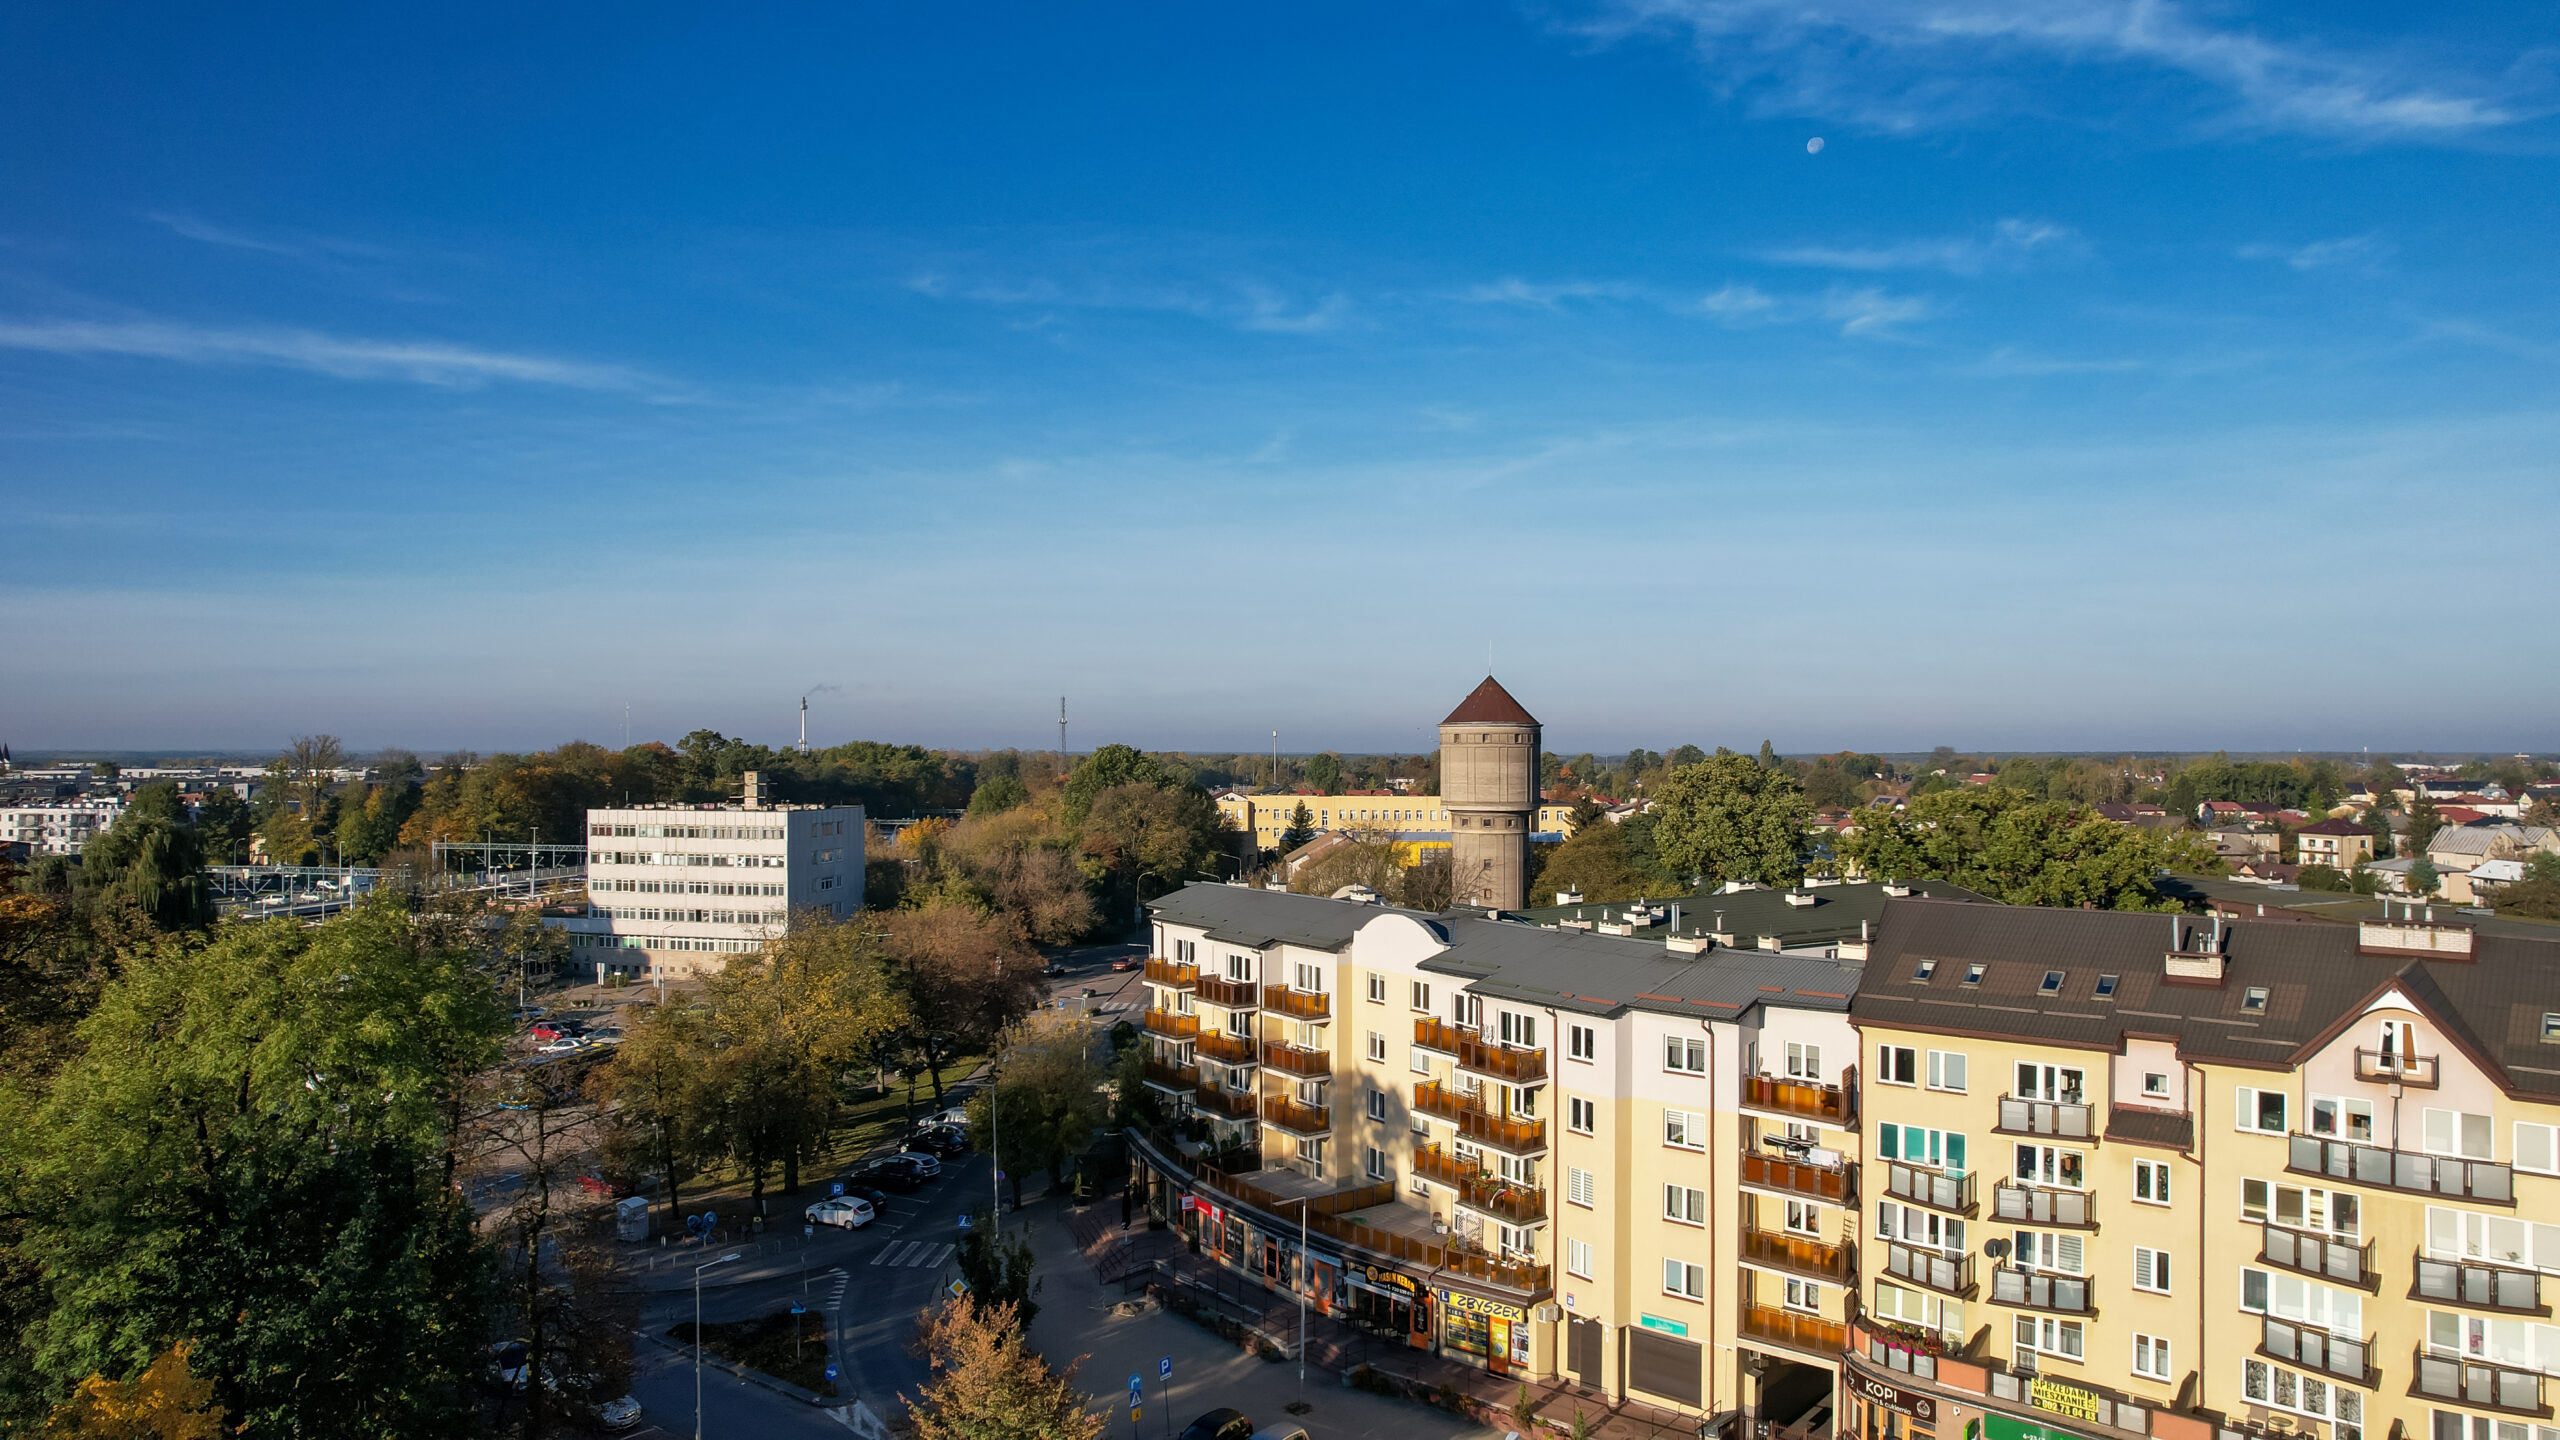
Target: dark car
[(883, 1174), (940, 1140), (1053, 969), (872, 1193), (1219, 1424)]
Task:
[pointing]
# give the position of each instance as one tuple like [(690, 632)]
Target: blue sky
[(2111, 375)]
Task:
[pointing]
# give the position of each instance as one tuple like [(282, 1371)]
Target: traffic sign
[(1136, 1383), (1164, 1368), (964, 1220), (799, 1309), (1133, 1414), (831, 1372), (959, 1288), (835, 1188)]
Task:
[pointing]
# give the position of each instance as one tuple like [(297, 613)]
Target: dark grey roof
[(1241, 915), (1751, 915), (1607, 974), (2315, 978)]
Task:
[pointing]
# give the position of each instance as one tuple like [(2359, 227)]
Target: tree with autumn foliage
[(987, 1385), (964, 976), (164, 1402)]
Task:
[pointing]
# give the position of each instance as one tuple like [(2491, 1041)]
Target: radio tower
[(1062, 729)]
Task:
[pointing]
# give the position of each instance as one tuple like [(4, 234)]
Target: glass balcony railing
[(2477, 1383), (1826, 1103), (1794, 1329), (1297, 1004), (2401, 1169), (1832, 1184), (1171, 1025), (2479, 1287), (1935, 1189), (2415, 1071), (1230, 994), (1282, 1113), (1509, 1133), (1173, 975), (2326, 1256), (1166, 1076), (2060, 1119), (2341, 1357), (1930, 1269), (2040, 1205), (1797, 1255), (1297, 1059), (2035, 1290), (1227, 1047)]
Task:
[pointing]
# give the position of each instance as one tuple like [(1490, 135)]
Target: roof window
[(2052, 983), (2106, 987), (1973, 973), (2551, 1027), (2254, 999), (1930, 967)]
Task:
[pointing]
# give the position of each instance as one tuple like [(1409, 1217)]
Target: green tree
[(656, 1097), (1302, 828), (2019, 850), (998, 1272), (2424, 821), (152, 858), (997, 794), (1046, 1101), (2422, 876), (1110, 766), (1595, 862), (2378, 820), (1585, 813), (2321, 877), (1730, 818), (1768, 756), (1324, 772), (987, 1385), (964, 977), (785, 1023)]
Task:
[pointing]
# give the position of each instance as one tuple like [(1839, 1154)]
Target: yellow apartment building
[(1266, 815), (2144, 1175)]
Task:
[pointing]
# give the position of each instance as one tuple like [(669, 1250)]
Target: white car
[(845, 1212), (563, 1045)]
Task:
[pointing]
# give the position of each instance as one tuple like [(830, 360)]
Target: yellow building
[(2136, 1175), (1266, 815)]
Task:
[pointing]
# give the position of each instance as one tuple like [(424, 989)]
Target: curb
[(783, 1388)]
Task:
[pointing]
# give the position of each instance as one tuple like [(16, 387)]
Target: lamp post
[(697, 1337)]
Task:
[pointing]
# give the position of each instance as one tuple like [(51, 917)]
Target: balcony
[(2400, 1170), (1905, 1348), (2328, 1258), (1179, 1079), (1948, 1194), (1282, 1113), (1227, 1047), (1798, 1255), (2035, 1290), (2479, 1287), (1172, 974), (1226, 1100), (1931, 1269), (1493, 1195), (2057, 1119), (1297, 1004), (2478, 1384), (1769, 1325), (1831, 1184), (1368, 1218), (1507, 1133), (2036, 1205), (1230, 994), (2415, 1071), (1440, 1035), (1796, 1100), (1297, 1059), (1475, 1053), (2332, 1357), (1170, 1026)]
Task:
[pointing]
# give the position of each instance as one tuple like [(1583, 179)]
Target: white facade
[(673, 890), (58, 829)]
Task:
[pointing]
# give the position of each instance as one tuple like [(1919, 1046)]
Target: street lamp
[(697, 1337)]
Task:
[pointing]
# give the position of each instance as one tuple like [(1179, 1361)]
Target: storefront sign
[(1667, 1327), (1466, 1304), (1922, 1408), (2051, 1394), (1390, 1280), (1992, 1425)]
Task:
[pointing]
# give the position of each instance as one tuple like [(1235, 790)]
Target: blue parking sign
[(835, 1187), (1164, 1368)]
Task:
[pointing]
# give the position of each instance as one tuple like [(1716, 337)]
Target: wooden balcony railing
[(1826, 1103), (1507, 1133), (1935, 1189), (1173, 1077), (1282, 1113), (1297, 1004), (1797, 1255), (1297, 1059), (1931, 1269), (2478, 1384), (1833, 1184), (2035, 1290), (1440, 1035), (2400, 1169), (1229, 1048), (2307, 1254), (1433, 1163), (1479, 1055), (1519, 1204), (2039, 1205), (1172, 974), (2045, 1117), (2415, 1071), (2479, 1287), (1231, 994), (2340, 1357), (1797, 1331), (1172, 1026), (1224, 1100)]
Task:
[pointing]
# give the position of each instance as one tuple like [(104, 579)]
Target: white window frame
[(1689, 1126), (1377, 1046), (1804, 1295), (1377, 989), (2151, 1357), (1581, 1115), (1684, 1054), (1421, 997), (1949, 1072), (2456, 1124), (2542, 1141), (1684, 1204), (1577, 1258), (2248, 1114), (2152, 1271), (1377, 1104), (1377, 1163), (1678, 1276), (1804, 1061), (1582, 1042), (2153, 1174), (1897, 1065), (1580, 1186)]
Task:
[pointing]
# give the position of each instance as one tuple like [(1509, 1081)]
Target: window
[(1466, 1011), (1804, 1295), (2260, 1110), (1311, 979), (2254, 1000), (2052, 983), (2498, 1239), (1377, 1163), (2155, 1085), (1377, 1104), (2537, 1147), (1311, 1151), (1378, 989), (2151, 1357), (1914, 1226), (2551, 1027), (1582, 1042), (1577, 1258), (2059, 1254), (2151, 1181), (1946, 1070), (1920, 975), (2050, 1165), (2106, 987), (1687, 1055), (1578, 1185), (1973, 974), (1684, 1129), (2291, 1297), (1919, 1309), (1421, 1125), (2066, 1084), (2399, 1042), (2253, 1199), (1519, 1029), (1681, 1203), (2341, 1116), (1897, 1065), (1579, 1115), (2151, 1270), (1377, 1046), (2038, 1334), (1683, 1279), (1804, 1217), (1804, 1062), (1421, 996), (1919, 1145), (1186, 952), (2451, 1132)]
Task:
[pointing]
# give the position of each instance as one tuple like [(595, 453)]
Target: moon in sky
[(1813, 146)]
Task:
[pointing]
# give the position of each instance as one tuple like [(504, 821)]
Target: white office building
[(60, 828), (673, 890)]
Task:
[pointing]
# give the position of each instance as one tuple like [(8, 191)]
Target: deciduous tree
[(987, 1385), (165, 1402), (2019, 850), (1730, 818)]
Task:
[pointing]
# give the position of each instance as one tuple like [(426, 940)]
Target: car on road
[(873, 1193), (940, 1140), (885, 1173), (1125, 962), (925, 1167), (1219, 1424), (562, 1045), (609, 1035), (1053, 969), (507, 1362), (557, 1029), (619, 1414), (844, 1212), (1287, 1430)]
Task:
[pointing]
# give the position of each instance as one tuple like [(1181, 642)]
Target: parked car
[(844, 1212), (1289, 1430), (607, 1036), (1126, 962), (556, 1029), (884, 1173), (507, 1362), (562, 1045), (925, 1166), (1053, 969), (940, 1140), (619, 1414), (873, 1193), (1219, 1424)]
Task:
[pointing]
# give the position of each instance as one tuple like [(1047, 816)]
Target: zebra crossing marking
[(928, 1254), (899, 1250)]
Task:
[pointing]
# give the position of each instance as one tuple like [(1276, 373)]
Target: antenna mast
[(804, 724), (1062, 729)]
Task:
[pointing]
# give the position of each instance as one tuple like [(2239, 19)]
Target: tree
[(1324, 772), (2378, 820), (164, 1402), (1146, 830), (2424, 821), (1302, 828), (152, 858), (2321, 877), (987, 1385), (998, 1272), (2422, 876), (1730, 818), (786, 1022), (1365, 858), (1586, 812), (657, 1098), (2019, 850), (964, 978), (1768, 756), (1110, 766), (1594, 862), (1046, 1102), (997, 794)]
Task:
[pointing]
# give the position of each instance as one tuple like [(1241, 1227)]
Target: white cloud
[(426, 362), (1736, 303), (1898, 65), (1870, 311), (1245, 305), (2009, 243), (295, 247), (2351, 252), (1512, 290)]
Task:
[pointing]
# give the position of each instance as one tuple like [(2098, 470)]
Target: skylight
[(1973, 974), (2052, 983), (2254, 1000), (2106, 987), (1927, 969)]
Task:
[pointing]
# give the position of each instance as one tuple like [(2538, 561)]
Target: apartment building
[(60, 828), (1420, 819), (2145, 1175), (674, 890), (1539, 1149)]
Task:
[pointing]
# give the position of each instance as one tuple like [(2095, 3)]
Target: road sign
[(835, 1187), (999, 1174), (798, 1309), (964, 1220), (1135, 1382), (959, 1288), (1133, 1414), (831, 1372), (1164, 1368)]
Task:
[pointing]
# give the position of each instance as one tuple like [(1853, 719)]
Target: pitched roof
[(1819, 914), (2334, 827), (1489, 704), (1607, 975)]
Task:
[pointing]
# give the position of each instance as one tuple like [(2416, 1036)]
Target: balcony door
[(2061, 1084)]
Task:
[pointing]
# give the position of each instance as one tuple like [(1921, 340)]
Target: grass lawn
[(765, 1344)]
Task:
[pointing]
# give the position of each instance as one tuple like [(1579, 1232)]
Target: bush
[(2539, 899), (2321, 877)]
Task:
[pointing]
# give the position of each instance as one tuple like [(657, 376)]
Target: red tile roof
[(1490, 704)]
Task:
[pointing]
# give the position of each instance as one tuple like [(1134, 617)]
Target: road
[(871, 1283)]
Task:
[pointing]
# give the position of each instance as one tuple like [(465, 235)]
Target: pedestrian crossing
[(912, 1255), (834, 1303)]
